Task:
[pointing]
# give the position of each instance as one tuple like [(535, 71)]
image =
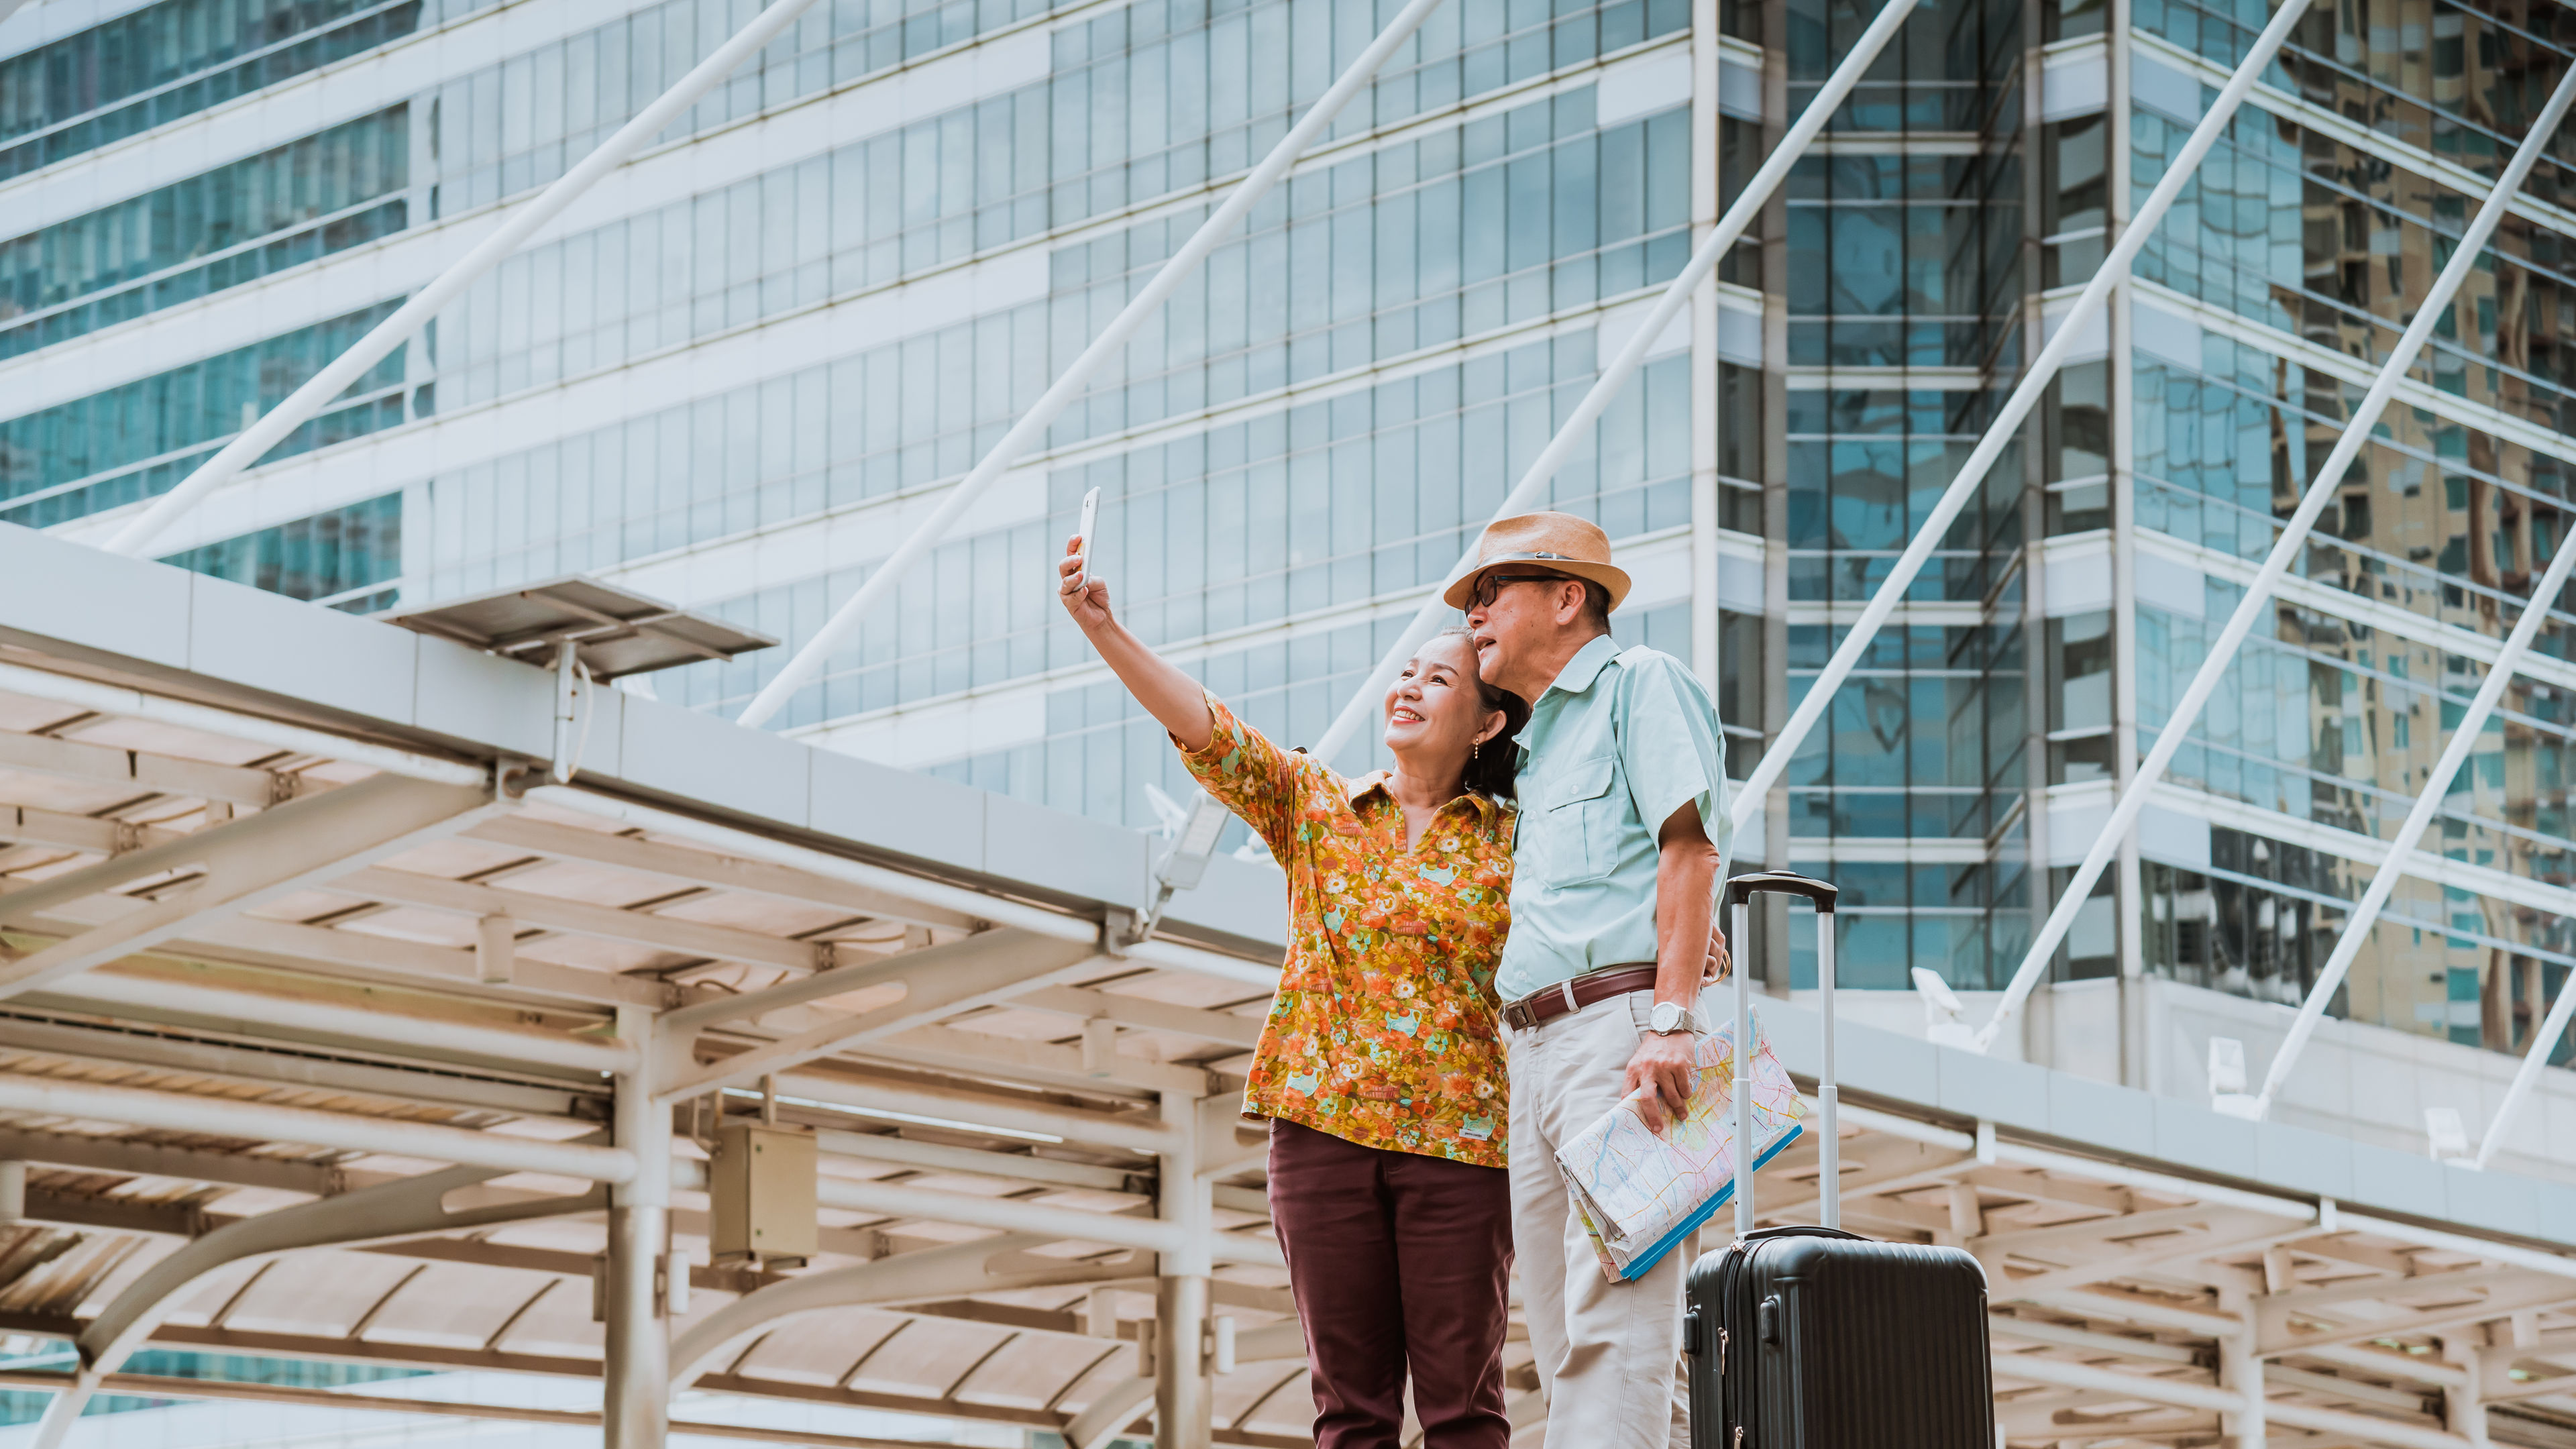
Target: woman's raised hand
[(1086, 599)]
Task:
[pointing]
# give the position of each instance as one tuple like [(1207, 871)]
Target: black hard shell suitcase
[(1814, 1338)]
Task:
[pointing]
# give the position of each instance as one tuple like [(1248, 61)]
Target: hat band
[(1542, 557)]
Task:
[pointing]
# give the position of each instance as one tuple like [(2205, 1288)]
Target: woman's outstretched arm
[(1171, 697)]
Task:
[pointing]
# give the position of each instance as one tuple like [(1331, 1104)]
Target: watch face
[(1669, 1017)]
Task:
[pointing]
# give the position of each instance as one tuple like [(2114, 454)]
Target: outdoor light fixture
[(1194, 842)]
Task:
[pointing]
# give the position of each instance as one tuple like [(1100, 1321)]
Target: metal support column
[(2037, 682), (2464, 1405), (1184, 1394), (2121, 398), (636, 1376), (1706, 394), (2240, 1372)]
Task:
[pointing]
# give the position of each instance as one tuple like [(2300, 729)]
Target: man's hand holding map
[(1641, 1192)]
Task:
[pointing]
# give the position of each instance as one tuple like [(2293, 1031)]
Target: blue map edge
[(1645, 1262)]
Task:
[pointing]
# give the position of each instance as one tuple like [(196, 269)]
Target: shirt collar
[(1584, 667), (1375, 782)]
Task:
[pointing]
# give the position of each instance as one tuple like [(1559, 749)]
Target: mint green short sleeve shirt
[(1619, 742)]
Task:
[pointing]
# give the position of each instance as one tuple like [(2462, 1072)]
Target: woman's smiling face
[(1436, 709)]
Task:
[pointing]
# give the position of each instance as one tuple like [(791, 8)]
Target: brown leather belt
[(1577, 994)]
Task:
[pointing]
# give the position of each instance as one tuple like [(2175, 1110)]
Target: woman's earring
[(1473, 746)]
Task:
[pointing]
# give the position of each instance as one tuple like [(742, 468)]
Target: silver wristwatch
[(1670, 1018)]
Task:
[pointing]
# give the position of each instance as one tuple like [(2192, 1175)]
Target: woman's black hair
[(1496, 762)]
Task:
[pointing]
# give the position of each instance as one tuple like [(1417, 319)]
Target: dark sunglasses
[(1490, 586)]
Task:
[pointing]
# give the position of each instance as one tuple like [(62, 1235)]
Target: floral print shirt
[(1384, 1031)]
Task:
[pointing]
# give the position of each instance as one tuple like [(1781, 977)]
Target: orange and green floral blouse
[(1384, 1030)]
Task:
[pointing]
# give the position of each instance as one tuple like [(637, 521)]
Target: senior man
[(1623, 828)]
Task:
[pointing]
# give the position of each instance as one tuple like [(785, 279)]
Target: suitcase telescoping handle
[(1740, 891)]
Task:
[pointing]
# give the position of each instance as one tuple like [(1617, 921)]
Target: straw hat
[(1558, 542)]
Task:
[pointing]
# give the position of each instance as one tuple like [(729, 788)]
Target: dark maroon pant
[(1398, 1261)]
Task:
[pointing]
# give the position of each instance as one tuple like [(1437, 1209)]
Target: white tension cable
[(2016, 409), (808, 661), (2257, 602), (1730, 229)]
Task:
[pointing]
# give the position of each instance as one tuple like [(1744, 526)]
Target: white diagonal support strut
[(2437, 784), (2535, 1056), (2016, 409), (243, 863), (937, 981), (985, 1265), (2258, 594), (305, 402), (1713, 249), (808, 661), (404, 1208)]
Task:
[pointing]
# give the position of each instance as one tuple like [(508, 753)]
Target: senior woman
[(1380, 1068)]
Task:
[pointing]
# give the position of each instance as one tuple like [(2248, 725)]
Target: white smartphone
[(1082, 554)]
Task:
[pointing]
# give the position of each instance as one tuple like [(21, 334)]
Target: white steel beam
[(217, 1116), (403, 1208), (808, 661), (159, 997), (1026, 1118), (936, 982), (1222, 1028), (749, 861), (141, 771), (341, 951), (2191, 1394), (985, 1265), (685, 865), (972, 907), (581, 918), (1068, 1068), (93, 1153), (2257, 602), (1056, 1224), (2016, 409), (1577, 427), (522, 222), (244, 863), (113, 699)]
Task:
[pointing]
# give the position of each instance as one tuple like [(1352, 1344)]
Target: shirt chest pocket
[(1583, 820)]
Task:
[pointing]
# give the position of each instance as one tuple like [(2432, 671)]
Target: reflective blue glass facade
[(737, 375)]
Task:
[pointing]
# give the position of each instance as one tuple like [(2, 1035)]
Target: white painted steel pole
[(2017, 408), (808, 661), (1743, 1083), (2294, 536), (2464, 739), (1829, 1152), (305, 402), (2534, 1057), (635, 1360), (1632, 356)]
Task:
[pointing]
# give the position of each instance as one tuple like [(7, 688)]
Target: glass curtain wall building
[(736, 375)]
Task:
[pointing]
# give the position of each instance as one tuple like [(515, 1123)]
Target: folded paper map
[(1641, 1192)]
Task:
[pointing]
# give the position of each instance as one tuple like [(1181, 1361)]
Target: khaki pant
[(1609, 1354)]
